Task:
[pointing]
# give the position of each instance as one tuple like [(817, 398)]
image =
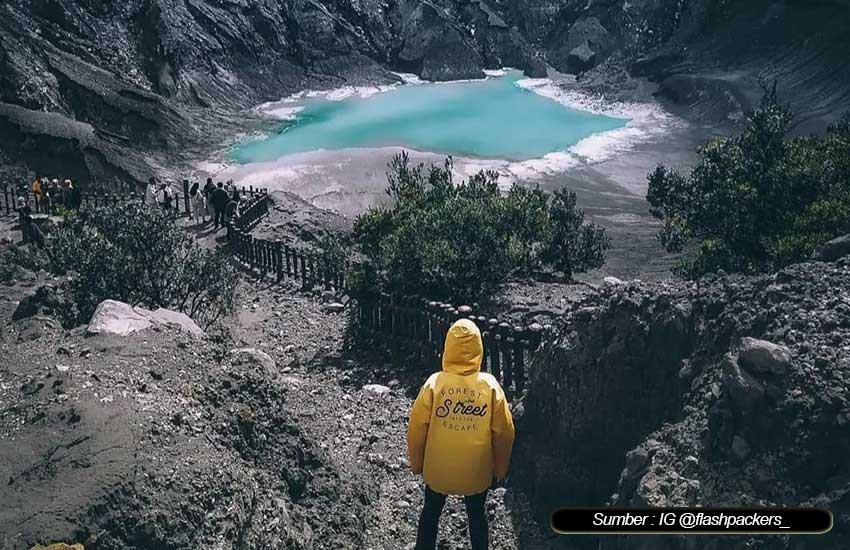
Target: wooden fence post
[(495, 354), (519, 358), (286, 253), (186, 196), (278, 260), (507, 366)]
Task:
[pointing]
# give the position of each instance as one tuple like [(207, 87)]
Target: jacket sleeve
[(417, 427), (502, 427)]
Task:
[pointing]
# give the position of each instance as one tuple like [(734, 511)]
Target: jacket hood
[(464, 349)]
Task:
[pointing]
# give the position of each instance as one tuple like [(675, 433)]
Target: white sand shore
[(350, 180)]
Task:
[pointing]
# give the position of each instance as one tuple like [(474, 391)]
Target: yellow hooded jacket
[(460, 432)]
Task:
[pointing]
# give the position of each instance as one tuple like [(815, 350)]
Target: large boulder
[(763, 357), (120, 319), (833, 250), (117, 318)]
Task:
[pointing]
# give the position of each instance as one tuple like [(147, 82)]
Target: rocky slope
[(711, 58), (161, 439), (275, 432), (155, 77), (119, 90), (731, 391)]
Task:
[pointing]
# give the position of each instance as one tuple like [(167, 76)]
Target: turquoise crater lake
[(492, 119)]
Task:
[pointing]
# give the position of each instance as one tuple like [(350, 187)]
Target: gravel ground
[(364, 431)]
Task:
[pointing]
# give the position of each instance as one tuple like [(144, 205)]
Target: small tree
[(460, 241), (757, 201), (140, 256), (575, 246)]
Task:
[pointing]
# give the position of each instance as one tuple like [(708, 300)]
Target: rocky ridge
[(729, 391), (117, 91)]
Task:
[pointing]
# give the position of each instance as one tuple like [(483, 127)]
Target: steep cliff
[(730, 391), (147, 83), (139, 82), (711, 57)]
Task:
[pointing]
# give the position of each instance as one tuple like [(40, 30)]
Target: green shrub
[(460, 241), (334, 252), (138, 255), (757, 201)]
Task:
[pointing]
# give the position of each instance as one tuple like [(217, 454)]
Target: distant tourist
[(47, 196), (164, 197), (66, 193), (150, 192), (38, 192), (75, 197), (231, 211), (196, 200), (55, 194), (24, 219), (209, 189), (220, 199), (459, 436)]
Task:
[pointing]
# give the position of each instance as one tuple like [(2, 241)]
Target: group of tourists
[(50, 194), (218, 203)]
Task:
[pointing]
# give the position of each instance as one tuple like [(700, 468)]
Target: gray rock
[(833, 250), (377, 389), (117, 318), (743, 388), (120, 319), (637, 461), (335, 307), (252, 356), (740, 448), (761, 356), (613, 281), (178, 320), (581, 58)]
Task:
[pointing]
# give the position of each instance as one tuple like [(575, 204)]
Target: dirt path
[(363, 431)]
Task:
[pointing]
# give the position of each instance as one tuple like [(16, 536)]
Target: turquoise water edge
[(492, 119)]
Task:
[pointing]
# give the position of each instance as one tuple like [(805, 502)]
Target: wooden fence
[(410, 323), (276, 258), (180, 202), (422, 326)]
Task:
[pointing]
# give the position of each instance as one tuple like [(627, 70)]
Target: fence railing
[(410, 323), (422, 326), (276, 258), (180, 202)]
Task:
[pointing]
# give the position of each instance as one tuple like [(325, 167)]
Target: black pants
[(219, 217), (426, 537)]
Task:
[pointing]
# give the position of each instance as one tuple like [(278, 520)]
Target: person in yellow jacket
[(38, 191), (460, 436)]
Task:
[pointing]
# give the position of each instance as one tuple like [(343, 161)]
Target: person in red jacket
[(460, 436)]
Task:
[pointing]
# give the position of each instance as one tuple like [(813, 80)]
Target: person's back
[(230, 210), (460, 435), (220, 198), (76, 198)]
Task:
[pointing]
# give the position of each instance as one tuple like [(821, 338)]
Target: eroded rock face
[(127, 81), (731, 391)]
